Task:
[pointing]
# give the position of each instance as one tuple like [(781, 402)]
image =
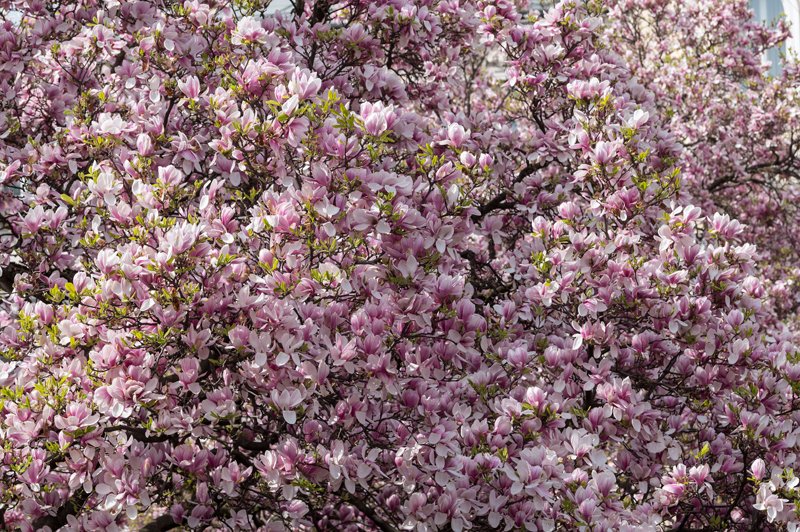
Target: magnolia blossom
[(456, 134), (110, 124), (70, 331), (248, 30), (304, 84), (106, 186), (190, 87), (77, 416), (769, 502), (286, 400)]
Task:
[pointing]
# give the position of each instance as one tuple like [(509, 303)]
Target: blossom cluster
[(737, 121)]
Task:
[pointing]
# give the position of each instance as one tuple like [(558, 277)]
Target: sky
[(279, 4)]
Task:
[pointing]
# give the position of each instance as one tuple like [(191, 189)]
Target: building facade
[(771, 10)]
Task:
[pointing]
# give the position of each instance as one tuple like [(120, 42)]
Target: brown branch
[(370, 513), (168, 112), (499, 201), (140, 434), (159, 524), (256, 446)]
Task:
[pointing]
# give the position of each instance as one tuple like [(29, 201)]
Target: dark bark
[(159, 524), (370, 513)]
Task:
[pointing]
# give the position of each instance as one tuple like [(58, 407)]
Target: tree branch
[(373, 516), (498, 202), (140, 434), (159, 524)]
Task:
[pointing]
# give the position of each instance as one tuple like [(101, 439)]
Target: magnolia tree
[(333, 268)]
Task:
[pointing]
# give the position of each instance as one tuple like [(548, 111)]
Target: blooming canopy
[(325, 269)]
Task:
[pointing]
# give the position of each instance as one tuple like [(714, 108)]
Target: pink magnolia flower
[(456, 134), (769, 502), (304, 84), (70, 330), (76, 416), (106, 186), (286, 401), (190, 87), (605, 152), (758, 468), (110, 124), (377, 118), (34, 219), (248, 30)]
